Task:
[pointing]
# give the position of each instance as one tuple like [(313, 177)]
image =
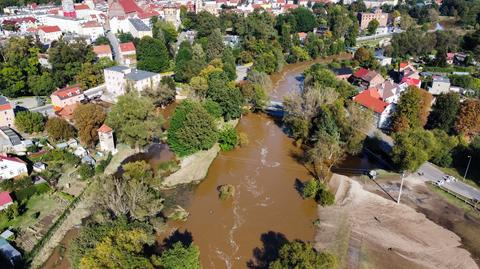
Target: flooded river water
[(266, 204)]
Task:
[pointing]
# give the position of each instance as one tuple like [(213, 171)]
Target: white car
[(449, 179), (440, 182)]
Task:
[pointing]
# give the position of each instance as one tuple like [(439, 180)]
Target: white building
[(105, 136), (48, 34), (118, 77), (439, 85), (139, 29), (7, 116), (11, 167), (92, 30), (119, 24), (66, 24)]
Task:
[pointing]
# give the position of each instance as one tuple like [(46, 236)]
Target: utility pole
[(401, 187), (468, 165)]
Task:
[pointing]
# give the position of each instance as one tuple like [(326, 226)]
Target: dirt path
[(367, 230)]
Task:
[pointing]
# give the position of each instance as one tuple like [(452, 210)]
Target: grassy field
[(450, 198), (39, 204)]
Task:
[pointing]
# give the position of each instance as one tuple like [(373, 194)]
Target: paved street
[(115, 46), (432, 173)]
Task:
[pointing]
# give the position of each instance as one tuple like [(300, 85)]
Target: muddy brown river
[(266, 204)]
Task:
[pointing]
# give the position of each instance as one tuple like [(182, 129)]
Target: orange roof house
[(67, 96), (371, 99)]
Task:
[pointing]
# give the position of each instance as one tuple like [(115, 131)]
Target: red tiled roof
[(129, 46), (360, 73), (104, 129), (411, 81), (11, 159), (370, 98), (102, 49), (5, 107), (302, 35), (66, 112), (5, 198), (130, 6), (147, 14), (68, 92), (404, 64), (91, 24), (81, 7), (49, 29)]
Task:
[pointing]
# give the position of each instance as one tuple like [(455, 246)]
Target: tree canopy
[(88, 118)]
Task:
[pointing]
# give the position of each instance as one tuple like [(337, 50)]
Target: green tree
[(180, 257), (88, 118), (29, 122), (229, 65), (412, 110), (372, 26), (298, 254), (165, 30), (125, 37), (134, 120), (205, 24), (86, 171), (42, 85), (228, 138), (444, 112), (305, 19), (192, 129), (229, 98), (412, 148), (59, 129), (183, 70), (215, 45), (152, 55)]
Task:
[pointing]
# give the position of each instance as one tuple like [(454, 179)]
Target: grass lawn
[(43, 203), (450, 198)]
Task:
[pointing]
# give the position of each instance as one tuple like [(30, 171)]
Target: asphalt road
[(432, 173)]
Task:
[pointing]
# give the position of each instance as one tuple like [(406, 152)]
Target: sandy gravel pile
[(365, 229)]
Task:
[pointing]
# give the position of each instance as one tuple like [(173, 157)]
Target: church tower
[(68, 8)]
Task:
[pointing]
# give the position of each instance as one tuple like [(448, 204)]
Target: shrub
[(228, 138), (86, 171), (310, 189), (103, 164), (243, 139), (29, 122), (226, 191), (325, 197), (213, 108)]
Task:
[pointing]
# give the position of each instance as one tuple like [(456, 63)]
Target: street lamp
[(401, 187), (468, 165)]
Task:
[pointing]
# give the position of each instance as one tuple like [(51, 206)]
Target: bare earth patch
[(367, 230)]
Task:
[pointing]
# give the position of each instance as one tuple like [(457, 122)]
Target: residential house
[(139, 29), (364, 18), (439, 85), (105, 136), (7, 115), (343, 73), (48, 34), (406, 69), (92, 30), (67, 96), (118, 78), (11, 141), (103, 51), (231, 40), (5, 200), (390, 91), (367, 78), (43, 60), (460, 58), (67, 111), (371, 99), (171, 14), (128, 54), (383, 60), (11, 167), (302, 36), (410, 81)]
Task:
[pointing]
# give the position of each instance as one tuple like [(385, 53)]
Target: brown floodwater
[(266, 205)]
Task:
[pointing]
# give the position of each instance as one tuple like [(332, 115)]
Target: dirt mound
[(367, 230)]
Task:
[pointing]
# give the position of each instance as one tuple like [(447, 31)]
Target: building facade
[(7, 115)]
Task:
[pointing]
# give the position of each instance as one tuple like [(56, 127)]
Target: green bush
[(226, 191), (310, 189), (86, 171), (325, 197), (60, 155), (228, 138), (213, 108), (100, 168)]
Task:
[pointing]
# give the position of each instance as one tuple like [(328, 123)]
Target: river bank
[(365, 229)]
